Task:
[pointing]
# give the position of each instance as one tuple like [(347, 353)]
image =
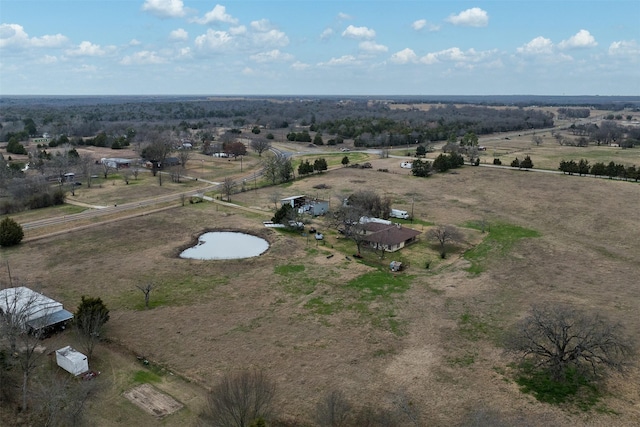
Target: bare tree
[(239, 399), (126, 175), (406, 407), (184, 155), (61, 399), (18, 306), (146, 290), (107, 168), (333, 410), (260, 145), (228, 186), (347, 220), (536, 139), (275, 198), (445, 234), (87, 168), (559, 337), (369, 203), (157, 151)]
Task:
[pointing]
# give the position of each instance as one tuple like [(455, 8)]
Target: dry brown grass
[(214, 316)]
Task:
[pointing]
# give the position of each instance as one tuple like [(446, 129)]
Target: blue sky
[(319, 47)]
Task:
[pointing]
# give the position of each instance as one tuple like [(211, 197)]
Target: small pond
[(226, 245)]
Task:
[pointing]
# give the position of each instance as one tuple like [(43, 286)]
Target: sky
[(320, 47)]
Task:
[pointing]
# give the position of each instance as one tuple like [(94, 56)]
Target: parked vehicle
[(397, 213)]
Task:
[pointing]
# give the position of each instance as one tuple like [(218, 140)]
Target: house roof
[(293, 197), (388, 234)]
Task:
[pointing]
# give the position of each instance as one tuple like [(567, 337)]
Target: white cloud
[(627, 48), (474, 17), (264, 34), (15, 35), (262, 25), (85, 68), (48, 59), (421, 24), (343, 16), (343, 60), (582, 39), (300, 66), (274, 55), (455, 54), (214, 40), (537, 46), (215, 15), (56, 40), (165, 8), (135, 42), (327, 33), (144, 57), (271, 38), (86, 49), (178, 35), (247, 71), (372, 47), (358, 32), (404, 56), (237, 31)]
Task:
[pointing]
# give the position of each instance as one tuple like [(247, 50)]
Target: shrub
[(11, 232)]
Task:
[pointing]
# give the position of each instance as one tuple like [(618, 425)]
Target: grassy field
[(316, 319)]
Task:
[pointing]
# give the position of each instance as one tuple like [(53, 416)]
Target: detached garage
[(72, 361), (34, 311)]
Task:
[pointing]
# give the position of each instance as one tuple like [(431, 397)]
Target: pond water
[(226, 245)]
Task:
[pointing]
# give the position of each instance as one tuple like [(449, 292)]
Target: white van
[(397, 213)]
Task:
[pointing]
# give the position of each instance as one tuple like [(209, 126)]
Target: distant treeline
[(574, 113)]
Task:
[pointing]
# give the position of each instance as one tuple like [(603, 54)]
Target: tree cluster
[(612, 169), (608, 132), (299, 136), (444, 162), (574, 113), (277, 168), (306, 168), (525, 163)]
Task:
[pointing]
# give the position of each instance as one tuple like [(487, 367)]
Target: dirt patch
[(152, 400)]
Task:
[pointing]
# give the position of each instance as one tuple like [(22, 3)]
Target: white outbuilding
[(72, 360)]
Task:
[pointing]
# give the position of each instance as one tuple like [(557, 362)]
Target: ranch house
[(390, 237)]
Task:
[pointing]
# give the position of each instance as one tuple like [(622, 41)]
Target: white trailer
[(397, 213), (71, 360)]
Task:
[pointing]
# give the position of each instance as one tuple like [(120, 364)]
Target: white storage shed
[(71, 360)]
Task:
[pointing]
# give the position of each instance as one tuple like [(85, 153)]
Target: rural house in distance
[(307, 205)]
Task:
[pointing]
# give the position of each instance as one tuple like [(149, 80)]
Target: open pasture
[(317, 322)]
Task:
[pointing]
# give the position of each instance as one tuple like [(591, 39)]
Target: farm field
[(316, 322)]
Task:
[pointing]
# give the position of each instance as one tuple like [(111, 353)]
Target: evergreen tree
[(527, 163), (11, 232)]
